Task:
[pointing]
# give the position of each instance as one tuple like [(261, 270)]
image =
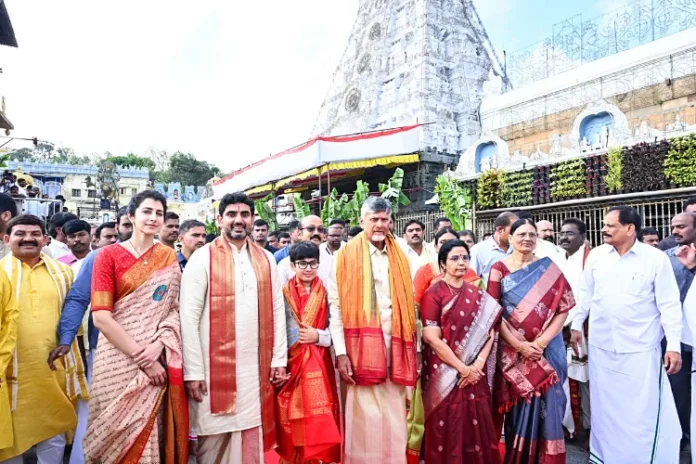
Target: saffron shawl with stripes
[(62, 276)]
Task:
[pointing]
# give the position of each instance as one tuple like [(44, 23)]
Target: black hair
[(293, 225), (304, 250), (689, 201), (437, 222), (210, 237), (274, 233), (170, 215), (503, 220), (234, 199), (105, 225), (649, 231), (122, 211), (522, 214), (59, 220), (189, 224), (7, 203), (442, 232), (139, 197), (414, 221), (76, 225), (582, 228), (260, 223), (468, 232), (446, 248), (519, 223), (282, 235), (25, 220), (337, 222), (354, 231), (627, 215)]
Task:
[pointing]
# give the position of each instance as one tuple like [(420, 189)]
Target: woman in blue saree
[(532, 363)]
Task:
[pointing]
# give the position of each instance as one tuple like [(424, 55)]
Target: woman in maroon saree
[(459, 328)]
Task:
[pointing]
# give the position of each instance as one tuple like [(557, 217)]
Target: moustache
[(561, 242), (604, 234), (315, 237), (28, 243)]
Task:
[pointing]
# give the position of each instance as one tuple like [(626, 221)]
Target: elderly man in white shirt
[(629, 291)]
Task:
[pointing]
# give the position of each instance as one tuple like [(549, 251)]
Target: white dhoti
[(636, 418), (376, 424)]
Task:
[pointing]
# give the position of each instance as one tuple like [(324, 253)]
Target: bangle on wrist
[(539, 344), (468, 371)]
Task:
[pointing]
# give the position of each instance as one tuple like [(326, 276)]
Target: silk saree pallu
[(130, 419), (458, 421), (308, 403), (361, 321), (530, 393)]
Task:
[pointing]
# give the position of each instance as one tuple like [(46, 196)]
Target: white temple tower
[(414, 61)]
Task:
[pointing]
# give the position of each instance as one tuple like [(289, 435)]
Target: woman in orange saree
[(431, 273), (308, 429), (138, 412)]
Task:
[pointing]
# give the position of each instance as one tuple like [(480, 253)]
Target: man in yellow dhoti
[(8, 342), (373, 326), (42, 400)]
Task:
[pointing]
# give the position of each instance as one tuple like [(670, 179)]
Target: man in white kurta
[(571, 239), (311, 229), (630, 294), (418, 251), (223, 434)]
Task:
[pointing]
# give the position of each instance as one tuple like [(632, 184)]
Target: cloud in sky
[(229, 81)]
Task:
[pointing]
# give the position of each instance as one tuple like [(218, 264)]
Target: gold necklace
[(145, 260), (450, 286)]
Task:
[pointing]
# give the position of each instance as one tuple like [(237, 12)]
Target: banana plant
[(455, 201), (265, 211), (392, 191), (212, 227), (335, 207), (3, 160), (301, 208), (362, 192)]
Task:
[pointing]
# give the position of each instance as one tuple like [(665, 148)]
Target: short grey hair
[(375, 205)]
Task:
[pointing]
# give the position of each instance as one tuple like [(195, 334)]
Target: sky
[(229, 81)]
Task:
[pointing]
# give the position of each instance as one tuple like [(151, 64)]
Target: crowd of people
[(148, 340)]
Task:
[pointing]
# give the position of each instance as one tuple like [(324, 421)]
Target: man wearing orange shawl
[(235, 345), (373, 327), (308, 417)]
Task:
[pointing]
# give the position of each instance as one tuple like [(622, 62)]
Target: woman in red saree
[(459, 328), (138, 412), (430, 273), (532, 365), (308, 429)]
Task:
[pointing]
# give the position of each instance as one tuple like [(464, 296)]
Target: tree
[(23, 155), (133, 160), (185, 168)]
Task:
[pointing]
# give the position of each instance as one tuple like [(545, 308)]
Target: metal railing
[(426, 217), (577, 40), (656, 211)]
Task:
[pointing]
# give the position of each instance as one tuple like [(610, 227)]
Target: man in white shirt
[(311, 229), (629, 291), (234, 339), (58, 246), (687, 256), (495, 248), (572, 239), (8, 210), (334, 242), (417, 251)]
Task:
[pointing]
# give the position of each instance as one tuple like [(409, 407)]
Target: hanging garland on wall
[(516, 188), (568, 180), (488, 192), (680, 162)]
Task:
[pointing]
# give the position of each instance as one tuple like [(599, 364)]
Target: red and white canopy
[(320, 152)]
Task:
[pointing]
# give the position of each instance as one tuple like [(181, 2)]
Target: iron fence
[(576, 40), (426, 217), (656, 211)]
